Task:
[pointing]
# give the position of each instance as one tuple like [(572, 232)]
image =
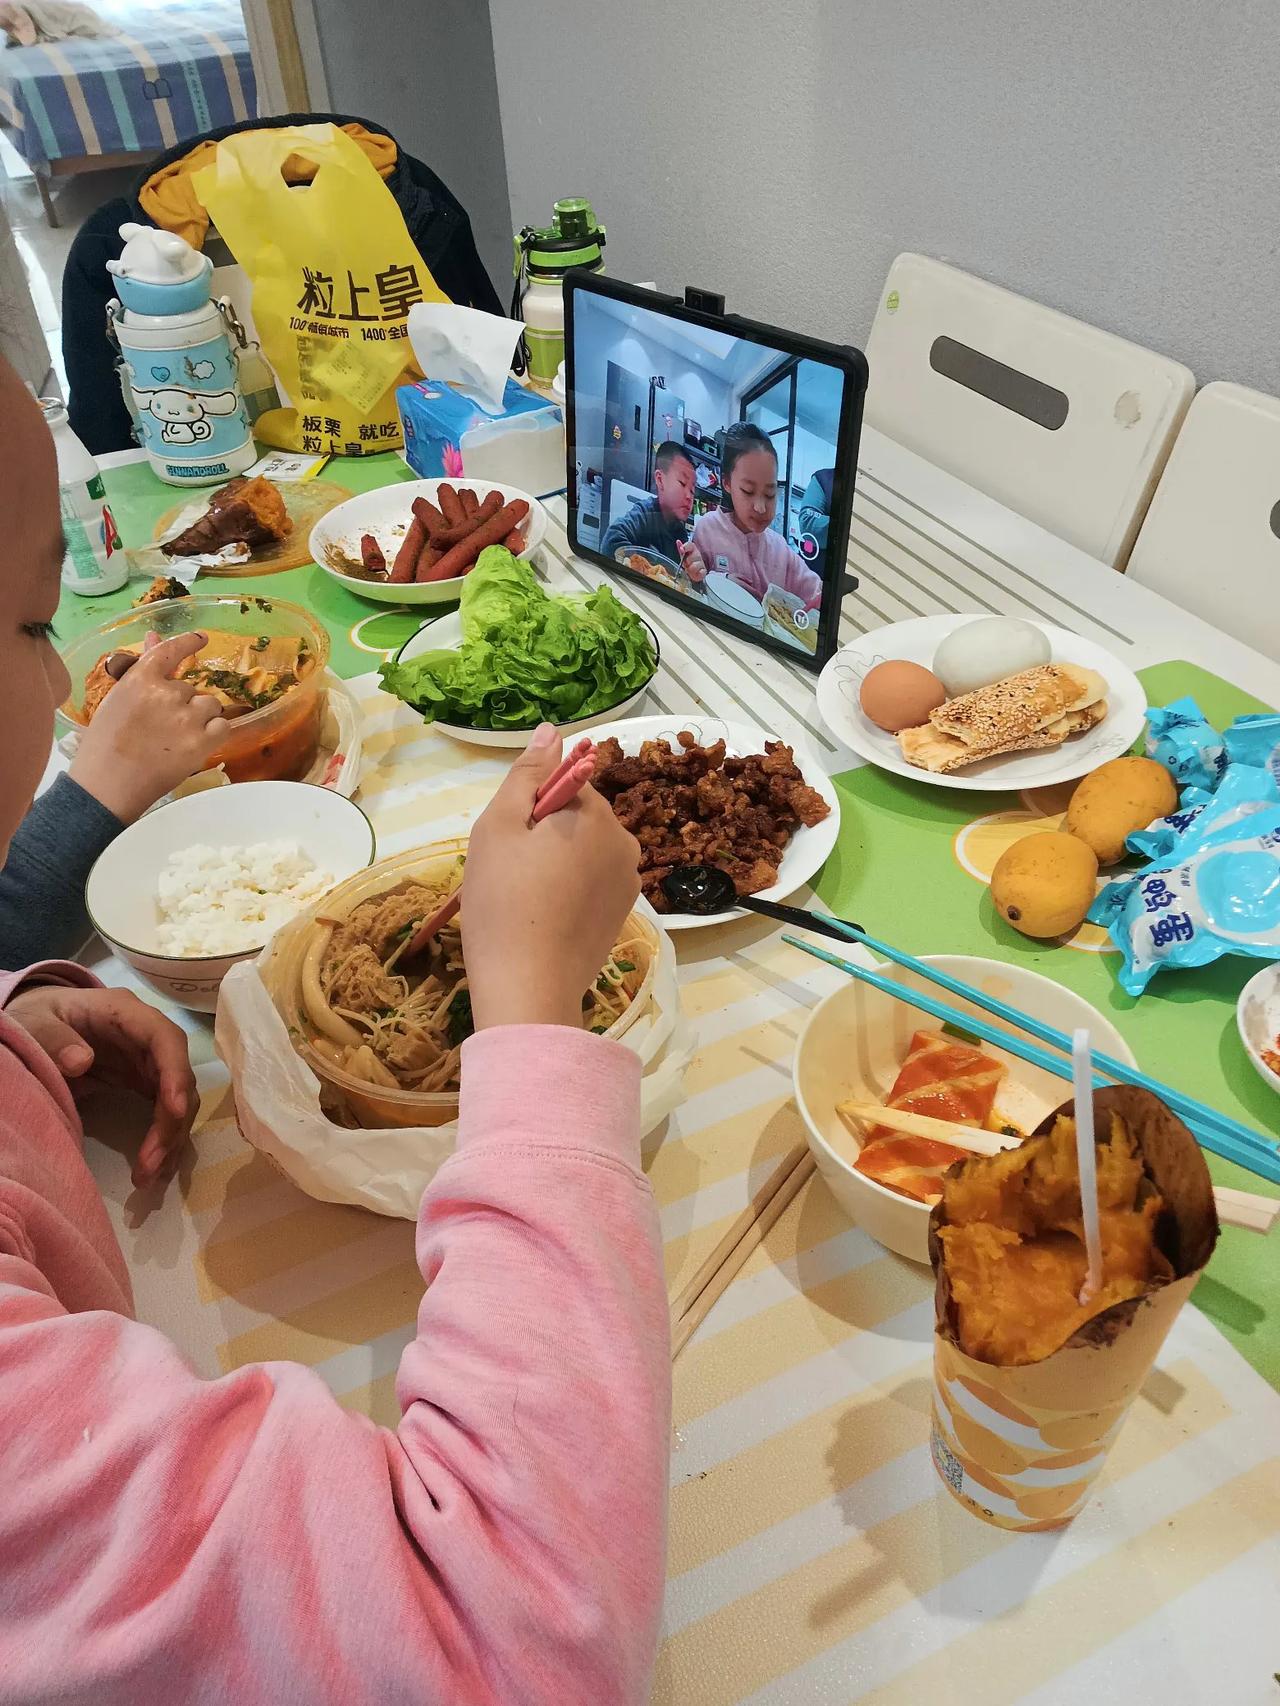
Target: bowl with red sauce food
[(853, 1047), (264, 659)]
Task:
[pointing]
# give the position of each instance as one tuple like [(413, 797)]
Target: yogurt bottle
[(95, 562)]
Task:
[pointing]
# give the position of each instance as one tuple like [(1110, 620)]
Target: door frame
[(284, 45)]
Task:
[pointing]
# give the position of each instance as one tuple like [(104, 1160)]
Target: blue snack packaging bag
[(1215, 891), (1255, 741), (1190, 749), (1162, 836)]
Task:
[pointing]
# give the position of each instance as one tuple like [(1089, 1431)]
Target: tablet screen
[(707, 463)]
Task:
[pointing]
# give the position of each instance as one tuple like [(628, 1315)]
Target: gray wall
[(1117, 161), (424, 68)]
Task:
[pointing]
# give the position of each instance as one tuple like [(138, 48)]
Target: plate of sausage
[(414, 543)]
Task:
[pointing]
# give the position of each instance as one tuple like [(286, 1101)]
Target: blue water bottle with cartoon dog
[(180, 363)]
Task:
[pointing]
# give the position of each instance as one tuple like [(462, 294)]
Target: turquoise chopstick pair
[(1214, 1131)]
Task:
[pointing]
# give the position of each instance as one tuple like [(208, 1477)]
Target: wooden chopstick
[(921, 1125), (1246, 1209), (711, 1294), (1225, 1137), (692, 1289)]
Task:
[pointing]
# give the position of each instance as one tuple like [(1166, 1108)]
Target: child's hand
[(108, 1036), (149, 734), (691, 561), (542, 906)]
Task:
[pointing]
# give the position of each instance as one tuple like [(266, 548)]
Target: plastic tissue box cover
[(447, 435)]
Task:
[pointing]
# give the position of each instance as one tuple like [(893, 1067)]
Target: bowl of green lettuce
[(515, 656)]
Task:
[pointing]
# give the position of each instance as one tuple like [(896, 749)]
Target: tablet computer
[(713, 459)]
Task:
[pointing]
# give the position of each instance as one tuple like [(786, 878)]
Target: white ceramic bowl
[(1258, 1020), (854, 1042), (447, 631), (386, 513), (121, 891)]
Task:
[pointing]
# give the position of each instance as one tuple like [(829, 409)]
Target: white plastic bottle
[(95, 562)]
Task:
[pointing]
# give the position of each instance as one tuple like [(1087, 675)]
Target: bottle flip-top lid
[(158, 257), (573, 239)]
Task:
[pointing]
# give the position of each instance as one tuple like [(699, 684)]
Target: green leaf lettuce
[(525, 657)]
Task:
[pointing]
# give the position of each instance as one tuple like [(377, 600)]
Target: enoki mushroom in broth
[(400, 1023)]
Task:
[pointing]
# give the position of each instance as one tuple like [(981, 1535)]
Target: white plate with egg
[(917, 642)]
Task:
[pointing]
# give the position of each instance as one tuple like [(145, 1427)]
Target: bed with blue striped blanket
[(172, 72)]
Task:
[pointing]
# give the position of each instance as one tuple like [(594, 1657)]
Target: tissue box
[(449, 436)]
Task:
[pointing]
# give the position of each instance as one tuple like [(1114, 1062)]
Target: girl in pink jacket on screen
[(739, 539), (167, 1540)]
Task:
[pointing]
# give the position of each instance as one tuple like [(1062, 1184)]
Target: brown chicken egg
[(900, 695)]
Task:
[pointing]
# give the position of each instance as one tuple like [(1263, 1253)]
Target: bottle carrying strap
[(232, 321), (520, 360)]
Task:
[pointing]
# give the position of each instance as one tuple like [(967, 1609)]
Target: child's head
[(32, 677), (673, 480), (749, 477)]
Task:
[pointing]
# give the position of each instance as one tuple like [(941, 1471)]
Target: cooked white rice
[(224, 900)]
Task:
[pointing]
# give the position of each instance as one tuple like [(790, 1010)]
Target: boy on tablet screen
[(660, 523)]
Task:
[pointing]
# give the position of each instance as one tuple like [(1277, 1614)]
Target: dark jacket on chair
[(436, 220)]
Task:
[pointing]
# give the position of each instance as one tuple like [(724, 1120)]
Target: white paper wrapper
[(466, 347), (387, 1170), (148, 561)]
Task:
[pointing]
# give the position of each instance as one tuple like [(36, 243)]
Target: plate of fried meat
[(698, 791)]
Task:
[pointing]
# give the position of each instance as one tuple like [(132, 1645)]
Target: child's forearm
[(542, 1361)]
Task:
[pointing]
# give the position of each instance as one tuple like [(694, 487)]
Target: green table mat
[(138, 500), (896, 870)]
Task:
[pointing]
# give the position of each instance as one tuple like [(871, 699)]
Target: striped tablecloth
[(813, 1555)]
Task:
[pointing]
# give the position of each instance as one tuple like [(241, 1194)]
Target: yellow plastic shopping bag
[(334, 274)]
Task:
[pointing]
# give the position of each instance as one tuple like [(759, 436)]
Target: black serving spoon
[(705, 890)]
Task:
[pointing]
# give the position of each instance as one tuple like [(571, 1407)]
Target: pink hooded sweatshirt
[(755, 560), (167, 1540)]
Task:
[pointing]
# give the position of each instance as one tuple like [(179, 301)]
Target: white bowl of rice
[(188, 890)]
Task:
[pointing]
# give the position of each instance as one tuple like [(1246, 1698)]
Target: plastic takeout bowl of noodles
[(384, 1045), (854, 1041)]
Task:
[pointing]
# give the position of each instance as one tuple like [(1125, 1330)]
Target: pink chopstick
[(584, 748), (559, 789), (568, 779)]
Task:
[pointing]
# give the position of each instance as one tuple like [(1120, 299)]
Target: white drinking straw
[(1082, 1077)]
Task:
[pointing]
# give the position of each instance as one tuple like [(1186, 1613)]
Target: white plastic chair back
[(1211, 539), (1065, 424)]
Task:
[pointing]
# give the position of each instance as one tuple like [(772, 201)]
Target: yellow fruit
[(1044, 884), (1121, 796)]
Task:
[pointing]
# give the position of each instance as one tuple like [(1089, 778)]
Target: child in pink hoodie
[(739, 539), (167, 1539)]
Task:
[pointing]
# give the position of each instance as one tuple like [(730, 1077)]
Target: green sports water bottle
[(573, 239)]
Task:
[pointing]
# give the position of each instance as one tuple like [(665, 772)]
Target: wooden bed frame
[(48, 170)]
